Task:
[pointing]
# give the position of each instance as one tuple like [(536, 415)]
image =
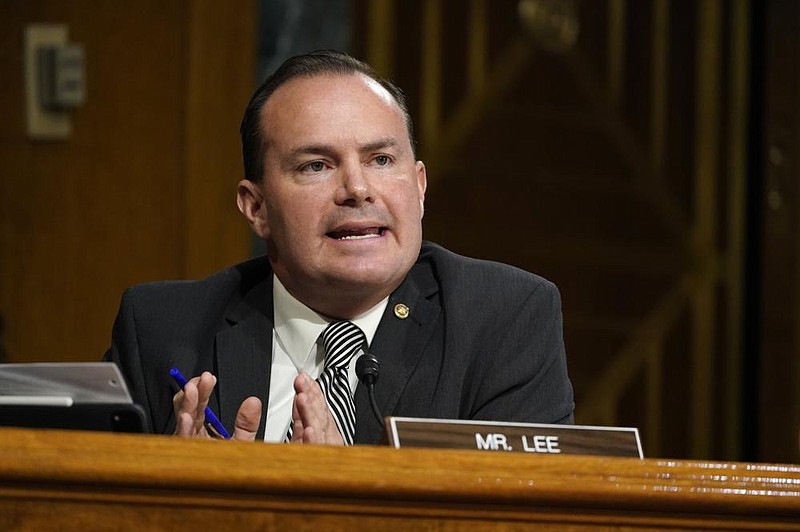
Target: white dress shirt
[(297, 347)]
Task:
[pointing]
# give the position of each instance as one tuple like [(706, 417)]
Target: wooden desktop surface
[(72, 480)]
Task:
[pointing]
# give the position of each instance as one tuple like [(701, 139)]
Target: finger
[(205, 386), (323, 431), (309, 436), (247, 420), (330, 434), (307, 387), (302, 383), (177, 402), (318, 424), (305, 420), (184, 425), (309, 401), (184, 404), (311, 409), (189, 406), (297, 424)]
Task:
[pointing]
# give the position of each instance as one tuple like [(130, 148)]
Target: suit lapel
[(243, 351), (398, 345), (243, 354)]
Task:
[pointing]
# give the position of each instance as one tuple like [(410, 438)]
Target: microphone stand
[(368, 371)]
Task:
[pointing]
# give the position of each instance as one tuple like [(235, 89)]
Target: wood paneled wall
[(145, 187), (616, 164), (776, 357)]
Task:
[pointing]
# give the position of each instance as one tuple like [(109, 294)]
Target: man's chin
[(365, 281)]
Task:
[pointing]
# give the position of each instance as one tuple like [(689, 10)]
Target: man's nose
[(354, 187)]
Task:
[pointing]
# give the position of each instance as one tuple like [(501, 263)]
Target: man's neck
[(339, 304), (345, 306)]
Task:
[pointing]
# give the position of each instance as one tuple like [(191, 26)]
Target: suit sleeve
[(524, 368), (124, 351)]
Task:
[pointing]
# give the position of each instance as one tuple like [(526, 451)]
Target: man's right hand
[(190, 404)]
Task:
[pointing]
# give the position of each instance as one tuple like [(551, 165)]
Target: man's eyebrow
[(312, 149), (379, 144), (326, 149)]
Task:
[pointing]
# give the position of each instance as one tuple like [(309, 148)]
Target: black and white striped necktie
[(340, 341)]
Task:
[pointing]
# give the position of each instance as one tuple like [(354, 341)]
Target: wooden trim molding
[(69, 480)]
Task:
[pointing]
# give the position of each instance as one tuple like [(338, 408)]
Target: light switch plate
[(61, 77), (42, 123)]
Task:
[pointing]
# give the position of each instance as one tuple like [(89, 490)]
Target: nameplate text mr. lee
[(515, 437)]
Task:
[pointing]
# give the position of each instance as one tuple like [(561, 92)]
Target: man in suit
[(332, 185)]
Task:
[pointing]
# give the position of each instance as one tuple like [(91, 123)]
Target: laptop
[(68, 395)]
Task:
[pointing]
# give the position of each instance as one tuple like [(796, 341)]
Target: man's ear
[(422, 185), (250, 199)]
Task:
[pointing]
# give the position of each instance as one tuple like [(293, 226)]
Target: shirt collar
[(298, 326)]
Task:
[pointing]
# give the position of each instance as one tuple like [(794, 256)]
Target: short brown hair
[(306, 65)]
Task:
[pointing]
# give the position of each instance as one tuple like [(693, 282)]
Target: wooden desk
[(70, 480)]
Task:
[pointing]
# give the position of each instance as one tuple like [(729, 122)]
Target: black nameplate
[(531, 438)]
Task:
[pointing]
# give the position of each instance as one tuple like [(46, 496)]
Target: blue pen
[(211, 417)]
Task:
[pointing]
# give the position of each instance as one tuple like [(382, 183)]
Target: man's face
[(342, 195)]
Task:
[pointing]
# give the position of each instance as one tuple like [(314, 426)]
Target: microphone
[(367, 371)]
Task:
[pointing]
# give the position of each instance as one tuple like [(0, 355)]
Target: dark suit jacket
[(482, 341)]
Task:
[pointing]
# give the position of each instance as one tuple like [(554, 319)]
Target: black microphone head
[(367, 368)]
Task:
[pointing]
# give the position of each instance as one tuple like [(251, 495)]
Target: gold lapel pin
[(401, 311)]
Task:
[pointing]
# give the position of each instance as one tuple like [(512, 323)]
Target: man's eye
[(382, 160), (315, 166)]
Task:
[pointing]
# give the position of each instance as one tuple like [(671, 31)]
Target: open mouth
[(359, 233)]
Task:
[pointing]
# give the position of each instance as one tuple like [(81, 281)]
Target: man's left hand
[(312, 421)]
